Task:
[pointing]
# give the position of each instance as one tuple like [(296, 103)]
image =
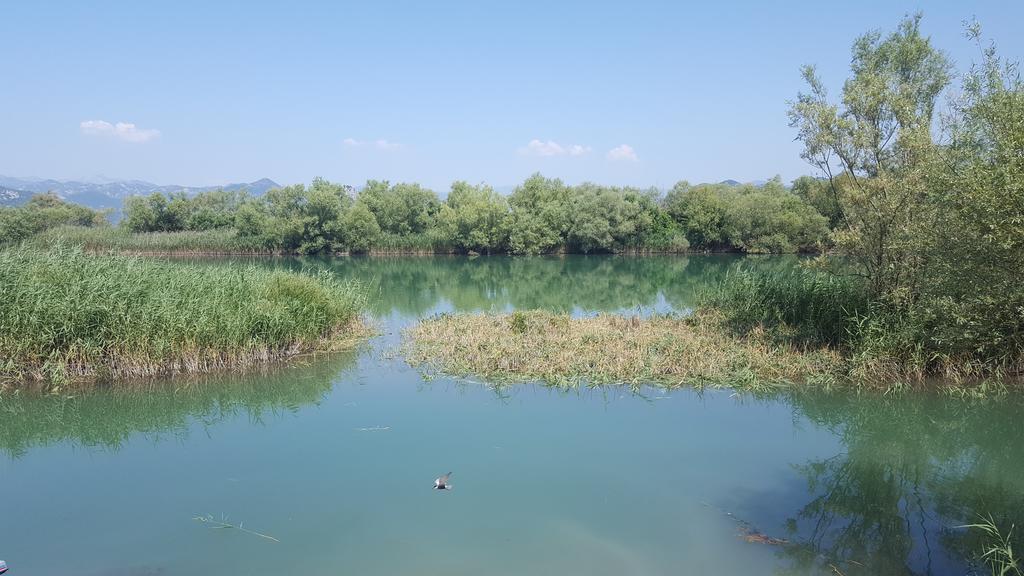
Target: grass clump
[(68, 315), (562, 350)]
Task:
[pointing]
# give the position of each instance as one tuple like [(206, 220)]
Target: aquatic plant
[(69, 315), (997, 551), (567, 351)]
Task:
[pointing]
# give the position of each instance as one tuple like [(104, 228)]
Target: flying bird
[(442, 483)]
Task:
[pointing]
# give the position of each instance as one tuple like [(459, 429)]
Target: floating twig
[(223, 523)]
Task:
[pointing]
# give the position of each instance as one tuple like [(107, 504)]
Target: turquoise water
[(335, 458)]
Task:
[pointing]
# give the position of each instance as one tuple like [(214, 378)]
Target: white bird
[(442, 483)]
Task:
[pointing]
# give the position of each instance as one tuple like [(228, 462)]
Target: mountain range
[(105, 193)]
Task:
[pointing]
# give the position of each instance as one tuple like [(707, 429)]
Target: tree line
[(541, 216)]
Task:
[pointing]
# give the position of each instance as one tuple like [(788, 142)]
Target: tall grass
[(810, 307), (107, 239), (69, 315)]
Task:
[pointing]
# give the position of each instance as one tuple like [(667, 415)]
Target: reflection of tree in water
[(914, 469), (416, 285), (109, 417)]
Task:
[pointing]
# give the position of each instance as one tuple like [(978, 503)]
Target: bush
[(43, 212)]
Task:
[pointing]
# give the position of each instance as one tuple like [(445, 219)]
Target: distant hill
[(731, 182), (106, 193), (13, 196)]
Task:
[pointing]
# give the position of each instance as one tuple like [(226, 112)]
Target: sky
[(625, 93)]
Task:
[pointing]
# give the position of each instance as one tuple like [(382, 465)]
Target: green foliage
[(360, 228), (771, 219), (540, 216), (879, 141), (935, 229), (68, 314), (473, 218), (821, 195), (43, 212), (401, 208), (755, 219), (701, 212), (972, 291), (176, 212)]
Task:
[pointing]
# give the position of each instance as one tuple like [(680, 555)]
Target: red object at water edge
[(3, 566)]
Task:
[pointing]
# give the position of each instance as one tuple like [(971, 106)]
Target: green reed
[(70, 315)]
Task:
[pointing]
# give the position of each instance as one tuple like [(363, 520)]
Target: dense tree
[(759, 219), (821, 195), (42, 212), (474, 218), (701, 212), (540, 216), (401, 208), (360, 228), (771, 219), (973, 287)]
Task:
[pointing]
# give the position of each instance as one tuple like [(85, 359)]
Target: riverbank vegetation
[(565, 350), (70, 316), (930, 226), (928, 276)]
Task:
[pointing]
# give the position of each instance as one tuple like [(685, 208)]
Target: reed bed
[(68, 315), (812, 307), (107, 239), (563, 350)]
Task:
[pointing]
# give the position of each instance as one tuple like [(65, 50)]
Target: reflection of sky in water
[(336, 458)]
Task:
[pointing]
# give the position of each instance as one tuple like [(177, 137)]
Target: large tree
[(878, 142)]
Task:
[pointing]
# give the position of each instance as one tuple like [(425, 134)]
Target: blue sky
[(638, 93)]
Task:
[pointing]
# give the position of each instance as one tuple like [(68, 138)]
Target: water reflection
[(417, 285), (913, 470), (108, 418)]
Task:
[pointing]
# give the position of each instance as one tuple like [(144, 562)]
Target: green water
[(335, 458)]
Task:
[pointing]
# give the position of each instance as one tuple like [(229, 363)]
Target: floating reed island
[(69, 316), (564, 350)]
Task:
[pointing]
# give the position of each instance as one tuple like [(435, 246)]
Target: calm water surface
[(336, 457)]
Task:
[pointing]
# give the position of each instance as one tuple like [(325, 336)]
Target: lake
[(335, 458)]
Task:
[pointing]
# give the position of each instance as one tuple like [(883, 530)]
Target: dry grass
[(559, 349)]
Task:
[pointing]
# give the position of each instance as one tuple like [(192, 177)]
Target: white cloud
[(122, 130), (551, 148), (622, 152), (379, 144)]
